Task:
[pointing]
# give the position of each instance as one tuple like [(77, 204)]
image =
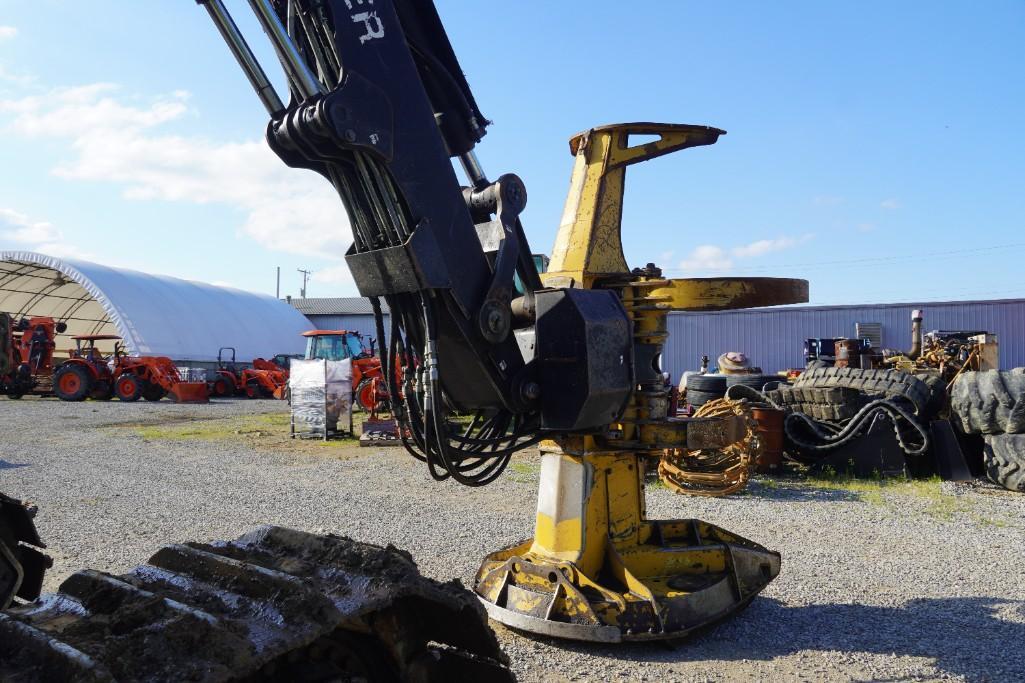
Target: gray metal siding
[(364, 324), (774, 338)]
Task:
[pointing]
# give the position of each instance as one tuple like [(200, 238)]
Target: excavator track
[(275, 604)]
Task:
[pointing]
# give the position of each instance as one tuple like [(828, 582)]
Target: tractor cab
[(367, 378), (335, 345), (87, 351)]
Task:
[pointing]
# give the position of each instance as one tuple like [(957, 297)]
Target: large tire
[(937, 392), (72, 383), (256, 390), (153, 392), (1004, 459), (700, 398), (366, 396), (128, 388), (711, 384), (990, 402), (223, 387), (102, 391)]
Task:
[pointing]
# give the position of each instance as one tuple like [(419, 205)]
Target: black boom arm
[(379, 106)]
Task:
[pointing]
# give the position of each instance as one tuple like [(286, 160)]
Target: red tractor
[(86, 373), (263, 380), (26, 354), (89, 374), (368, 385)]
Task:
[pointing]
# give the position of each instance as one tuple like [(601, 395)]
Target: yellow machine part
[(597, 568)]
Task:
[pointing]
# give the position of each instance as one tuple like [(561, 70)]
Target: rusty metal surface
[(273, 604), (723, 463), (719, 294)]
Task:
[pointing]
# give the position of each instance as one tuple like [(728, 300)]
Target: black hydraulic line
[(887, 408)]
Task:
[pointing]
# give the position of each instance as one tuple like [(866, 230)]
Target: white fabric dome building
[(155, 315)]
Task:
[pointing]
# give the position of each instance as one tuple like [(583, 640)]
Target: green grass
[(894, 491), (212, 429), (523, 472), (261, 431)]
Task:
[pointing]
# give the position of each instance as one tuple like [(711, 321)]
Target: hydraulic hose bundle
[(479, 454), (379, 107)]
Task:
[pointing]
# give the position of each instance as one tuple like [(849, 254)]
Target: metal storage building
[(773, 338), (155, 315), (351, 313)]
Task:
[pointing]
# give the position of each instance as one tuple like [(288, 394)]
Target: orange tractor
[(26, 354), (368, 384), (264, 380), (89, 374)]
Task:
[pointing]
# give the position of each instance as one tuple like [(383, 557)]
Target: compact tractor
[(26, 354), (264, 380), (369, 388), (88, 373)]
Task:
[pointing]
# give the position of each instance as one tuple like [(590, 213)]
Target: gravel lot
[(891, 585)]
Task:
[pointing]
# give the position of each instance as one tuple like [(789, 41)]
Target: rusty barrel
[(770, 431), (848, 353)]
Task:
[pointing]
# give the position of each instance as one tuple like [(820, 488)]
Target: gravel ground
[(890, 586)]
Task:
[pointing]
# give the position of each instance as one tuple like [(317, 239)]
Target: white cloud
[(335, 275), (20, 80), (890, 204), (33, 235), (17, 227), (117, 140), (762, 247), (708, 257), (866, 227), (8, 32)]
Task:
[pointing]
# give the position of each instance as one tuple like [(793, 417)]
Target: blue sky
[(873, 148)]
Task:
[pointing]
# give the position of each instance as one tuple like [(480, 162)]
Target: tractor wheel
[(153, 392), (366, 396), (102, 391), (223, 387), (72, 383), (255, 390), (128, 388)]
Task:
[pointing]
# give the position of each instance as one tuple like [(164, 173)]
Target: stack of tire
[(992, 403), (704, 388)]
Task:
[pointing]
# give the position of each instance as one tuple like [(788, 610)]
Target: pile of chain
[(714, 472)]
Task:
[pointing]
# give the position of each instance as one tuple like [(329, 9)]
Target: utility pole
[(277, 287), (306, 277)]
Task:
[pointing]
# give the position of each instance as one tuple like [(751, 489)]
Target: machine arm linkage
[(379, 106)]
